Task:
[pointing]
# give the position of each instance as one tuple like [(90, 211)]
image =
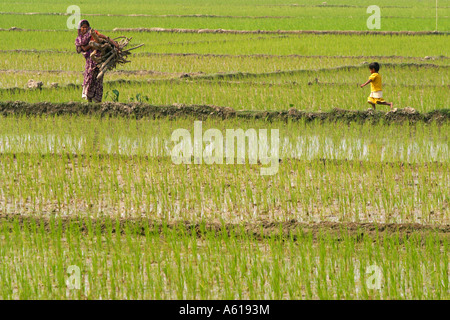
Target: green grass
[(419, 87), (144, 263), (104, 173), (322, 21), (233, 7), (118, 167), (307, 44), (260, 94), (25, 62), (405, 15)]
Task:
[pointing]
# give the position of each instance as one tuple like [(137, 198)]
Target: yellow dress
[(376, 94)]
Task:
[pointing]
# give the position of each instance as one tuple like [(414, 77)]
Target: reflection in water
[(302, 147)]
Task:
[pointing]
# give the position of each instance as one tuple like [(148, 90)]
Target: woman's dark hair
[(374, 65), (85, 22)]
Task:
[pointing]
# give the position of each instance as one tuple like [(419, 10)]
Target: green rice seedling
[(102, 195)]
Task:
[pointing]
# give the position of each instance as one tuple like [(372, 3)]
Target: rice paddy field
[(93, 204)]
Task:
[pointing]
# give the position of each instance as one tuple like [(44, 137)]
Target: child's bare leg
[(391, 104), (372, 104)]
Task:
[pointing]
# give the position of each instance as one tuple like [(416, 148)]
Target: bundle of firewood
[(110, 55)]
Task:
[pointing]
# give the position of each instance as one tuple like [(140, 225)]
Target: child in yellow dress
[(376, 94)]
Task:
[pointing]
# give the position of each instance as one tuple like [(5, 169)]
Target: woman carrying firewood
[(93, 80)]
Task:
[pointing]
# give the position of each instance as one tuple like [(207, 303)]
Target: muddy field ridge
[(202, 112)]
